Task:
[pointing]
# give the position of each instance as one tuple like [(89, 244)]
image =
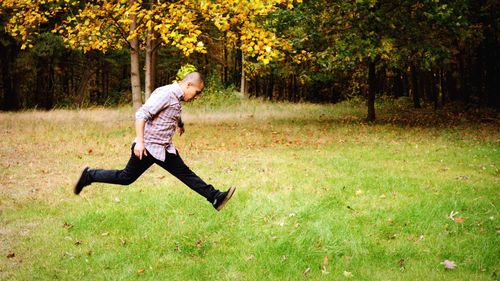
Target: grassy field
[(321, 195)]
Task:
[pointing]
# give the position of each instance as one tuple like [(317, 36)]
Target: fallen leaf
[(459, 219), (67, 225), (392, 236), (348, 274), (324, 266), (325, 261), (307, 271), (140, 270), (452, 214), (448, 264), (105, 234), (359, 192), (401, 264)]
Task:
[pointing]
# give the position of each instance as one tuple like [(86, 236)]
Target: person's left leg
[(133, 170), (173, 164)]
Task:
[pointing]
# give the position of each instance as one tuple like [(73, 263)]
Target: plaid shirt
[(162, 113)]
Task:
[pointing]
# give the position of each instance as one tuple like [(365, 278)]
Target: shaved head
[(193, 77), (192, 85)]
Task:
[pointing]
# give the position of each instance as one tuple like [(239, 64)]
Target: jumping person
[(155, 124)]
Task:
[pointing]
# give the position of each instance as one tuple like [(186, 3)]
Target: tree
[(243, 24), (112, 25), (108, 25), (377, 35)]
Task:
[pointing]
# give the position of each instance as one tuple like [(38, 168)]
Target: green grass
[(313, 181)]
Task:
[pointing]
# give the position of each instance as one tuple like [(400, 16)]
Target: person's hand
[(180, 130), (139, 150)]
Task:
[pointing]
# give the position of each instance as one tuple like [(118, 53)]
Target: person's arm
[(155, 103), (180, 126), (139, 148)]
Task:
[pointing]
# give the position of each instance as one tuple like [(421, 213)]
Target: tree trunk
[(372, 88), (451, 85), (135, 78), (243, 88), (149, 65), (152, 79), (492, 67), (462, 82), (81, 90), (416, 89), (397, 87), (280, 90), (49, 102), (270, 87), (406, 86), (10, 97), (224, 66), (236, 65), (434, 89), (256, 88), (106, 80), (44, 83), (444, 90)]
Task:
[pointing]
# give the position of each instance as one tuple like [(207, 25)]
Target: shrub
[(216, 94)]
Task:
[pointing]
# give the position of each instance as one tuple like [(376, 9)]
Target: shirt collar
[(178, 91)]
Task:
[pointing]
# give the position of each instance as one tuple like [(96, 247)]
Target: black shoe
[(221, 200), (81, 182)]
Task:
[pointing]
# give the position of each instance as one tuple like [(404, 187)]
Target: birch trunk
[(135, 78)]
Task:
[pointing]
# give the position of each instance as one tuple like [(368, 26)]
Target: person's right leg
[(135, 168), (175, 165)]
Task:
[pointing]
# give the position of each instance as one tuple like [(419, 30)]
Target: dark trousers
[(135, 167)]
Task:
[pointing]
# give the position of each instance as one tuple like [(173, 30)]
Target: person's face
[(192, 90)]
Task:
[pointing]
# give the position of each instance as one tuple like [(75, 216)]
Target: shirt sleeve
[(180, 124), (156, 103)]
